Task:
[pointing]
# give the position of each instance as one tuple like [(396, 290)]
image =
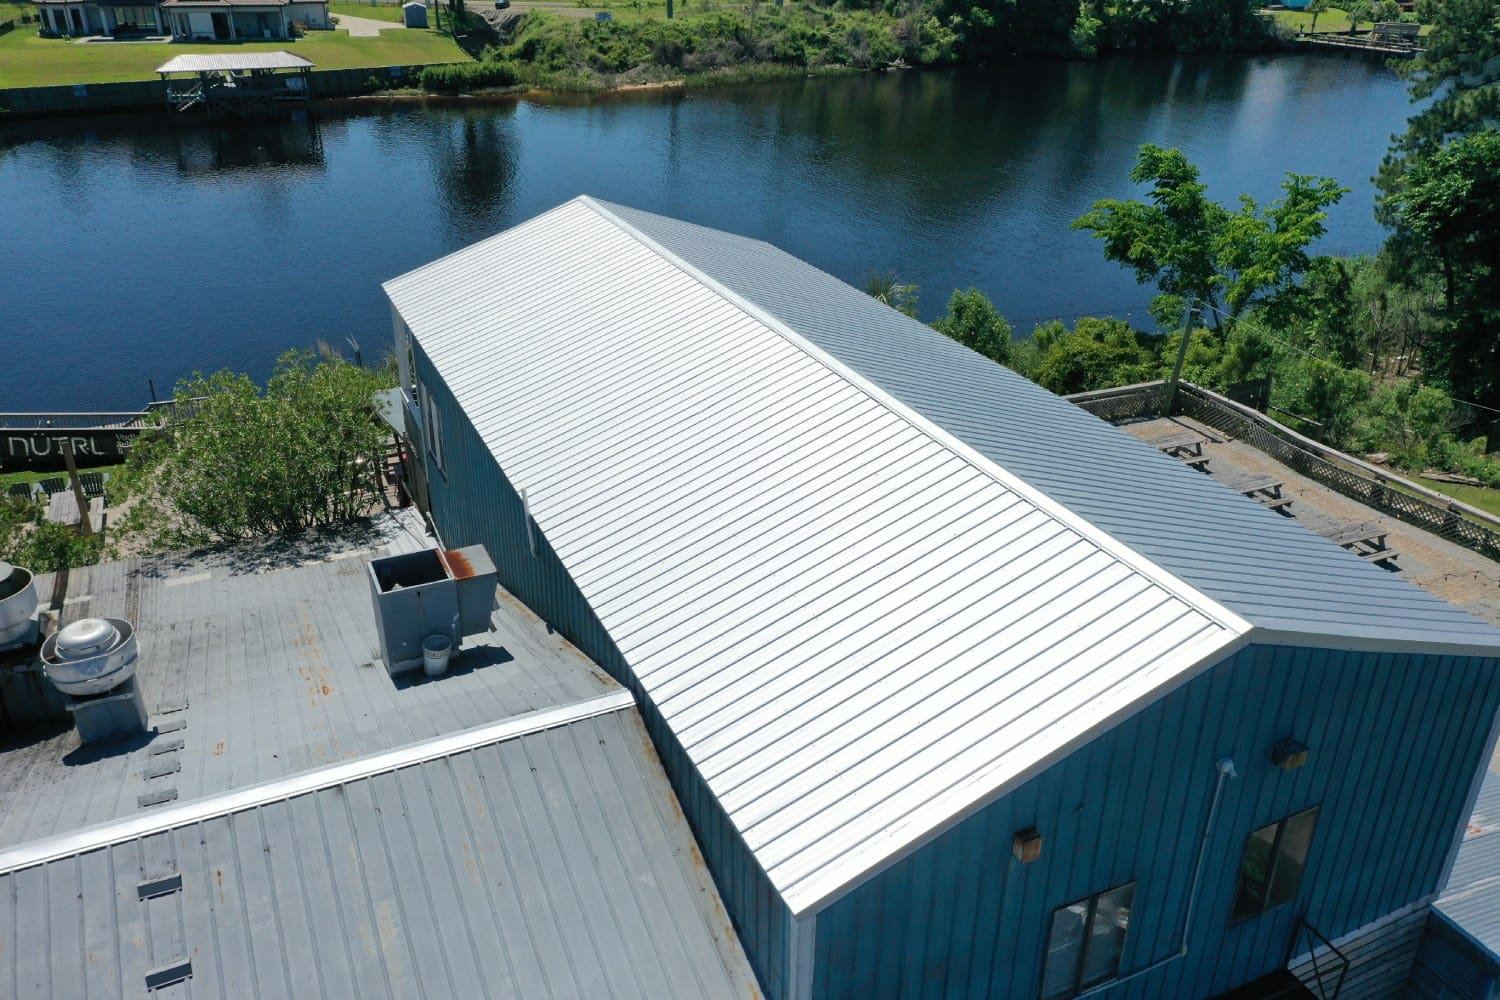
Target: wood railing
[(1371, 485)]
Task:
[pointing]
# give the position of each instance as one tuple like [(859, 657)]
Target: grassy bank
[(27, 60)]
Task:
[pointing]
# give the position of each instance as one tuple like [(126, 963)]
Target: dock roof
[(858, 627), (217, 62)]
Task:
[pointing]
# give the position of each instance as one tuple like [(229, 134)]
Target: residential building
[(963, 691), (195, 20)]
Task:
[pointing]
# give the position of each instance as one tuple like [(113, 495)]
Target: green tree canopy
[(1447, 217), (1193, 247), (973, 321), (237, 461)]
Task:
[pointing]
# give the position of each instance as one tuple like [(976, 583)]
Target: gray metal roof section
[(554, 863), (1258, 564), (1472, 897), (219, 61), (263, 662)]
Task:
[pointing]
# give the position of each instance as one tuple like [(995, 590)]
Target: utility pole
[(1187, 332), (85, 524)]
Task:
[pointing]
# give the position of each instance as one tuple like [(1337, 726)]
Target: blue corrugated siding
[(475, 503), (1450, 965), (1395, 741)]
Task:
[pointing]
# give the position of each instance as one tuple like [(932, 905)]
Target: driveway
[(365, 27)]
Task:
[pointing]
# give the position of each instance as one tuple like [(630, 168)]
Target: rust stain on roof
[(458, 564)]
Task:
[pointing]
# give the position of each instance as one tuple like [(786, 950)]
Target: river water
[(133, 250)]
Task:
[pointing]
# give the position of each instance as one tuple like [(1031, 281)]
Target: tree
[(1316, 7), (884, 286), (973, 321), (1385, 11), (1359, 11), (1192, 247), (1096, 354), (1447, 216), (1458, 74), (237, 461)]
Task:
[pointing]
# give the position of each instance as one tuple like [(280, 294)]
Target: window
[(1085, 942), (1275, 856), (432, 427)]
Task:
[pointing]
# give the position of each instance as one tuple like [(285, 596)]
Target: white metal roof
[(858, 628), (214, 62)]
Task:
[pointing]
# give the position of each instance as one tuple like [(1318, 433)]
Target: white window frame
[(432, 428)]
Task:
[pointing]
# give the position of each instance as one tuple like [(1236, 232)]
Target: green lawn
[(1485, 499), (29, 61), (1333, 19), (9, 478), (378, 12)]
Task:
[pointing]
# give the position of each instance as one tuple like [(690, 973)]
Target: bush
[(455, 78), (239, 462), (28, 539)]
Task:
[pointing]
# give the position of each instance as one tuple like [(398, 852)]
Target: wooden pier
[(1393, 40)]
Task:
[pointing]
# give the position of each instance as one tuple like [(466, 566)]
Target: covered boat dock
[(243, 84)]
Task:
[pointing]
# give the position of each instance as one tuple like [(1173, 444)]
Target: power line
[(1316, 357)]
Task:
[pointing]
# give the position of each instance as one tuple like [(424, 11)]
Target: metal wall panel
[(1394, 741)]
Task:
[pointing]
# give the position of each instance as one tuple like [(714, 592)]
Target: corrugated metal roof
[(1260, 565), (858, 628), (214, 62), (262, 672), (1472, 897), (550, 864)]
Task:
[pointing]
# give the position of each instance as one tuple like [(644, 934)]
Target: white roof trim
[(105, 834), (1041, 501)]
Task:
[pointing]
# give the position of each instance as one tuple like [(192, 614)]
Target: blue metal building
[(964, 692)]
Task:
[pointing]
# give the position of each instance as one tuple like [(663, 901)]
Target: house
[(295, 822), (199, 20), (963, 691)]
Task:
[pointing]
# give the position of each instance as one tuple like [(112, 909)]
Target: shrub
[(454, 78)]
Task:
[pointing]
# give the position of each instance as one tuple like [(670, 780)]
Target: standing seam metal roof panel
[(1471, 899), (856, 629), (553, 863), (1262, 566)]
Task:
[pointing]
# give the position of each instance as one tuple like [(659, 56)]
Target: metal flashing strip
[(1364, 643), (1040, 501), (92, 838)]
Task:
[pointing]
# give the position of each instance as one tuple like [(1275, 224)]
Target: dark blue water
[(132, 250)]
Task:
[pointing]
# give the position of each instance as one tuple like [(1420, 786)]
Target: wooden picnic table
[(1366, 540), (1263, 489), (1180, 442), (1186, 446), (62, 508)]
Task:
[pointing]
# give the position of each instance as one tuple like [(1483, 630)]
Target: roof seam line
[(67, 845)]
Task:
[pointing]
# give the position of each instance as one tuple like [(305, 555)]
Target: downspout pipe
[(1225, 766)]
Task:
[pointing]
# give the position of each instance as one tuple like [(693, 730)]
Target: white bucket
[(436, 649)]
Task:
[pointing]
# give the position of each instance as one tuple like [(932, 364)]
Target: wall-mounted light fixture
[(1026, 845), (1289, 754)]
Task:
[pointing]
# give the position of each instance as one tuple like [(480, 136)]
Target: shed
[(943, 697), (414, 14)]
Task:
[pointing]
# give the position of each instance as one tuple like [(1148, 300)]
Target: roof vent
[(92, 662), (18, 603), (446, 592)]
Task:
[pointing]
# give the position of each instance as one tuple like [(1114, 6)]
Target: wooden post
[(84, 522)]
